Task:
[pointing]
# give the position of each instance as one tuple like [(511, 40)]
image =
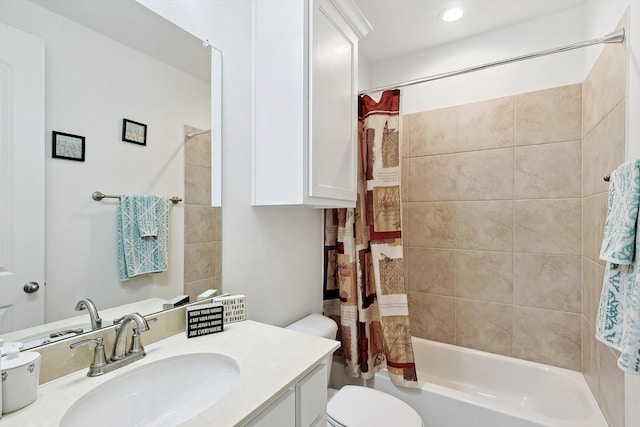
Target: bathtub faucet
[(86, 303)]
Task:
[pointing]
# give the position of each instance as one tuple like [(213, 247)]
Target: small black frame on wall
[(67, 146), (134, 132)]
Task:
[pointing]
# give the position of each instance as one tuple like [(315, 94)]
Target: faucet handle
[(99, 357), (136, 344), (97, 340)]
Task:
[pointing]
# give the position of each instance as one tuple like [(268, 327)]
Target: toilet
[(357, 406)]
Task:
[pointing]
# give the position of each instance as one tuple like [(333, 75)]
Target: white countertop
[(270, 358)]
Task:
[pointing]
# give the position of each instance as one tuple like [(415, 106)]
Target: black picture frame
[(67, 146), (134, 132)]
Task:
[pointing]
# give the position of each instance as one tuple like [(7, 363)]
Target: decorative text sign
[(204, 319)]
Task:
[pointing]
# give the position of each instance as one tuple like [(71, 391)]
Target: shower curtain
[(364, 287)]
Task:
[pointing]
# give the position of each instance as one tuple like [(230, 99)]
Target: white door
[(22, 154)]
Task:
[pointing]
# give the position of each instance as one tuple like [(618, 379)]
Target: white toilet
[(356, 406)]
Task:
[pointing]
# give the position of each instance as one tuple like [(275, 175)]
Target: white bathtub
[(460, 387)]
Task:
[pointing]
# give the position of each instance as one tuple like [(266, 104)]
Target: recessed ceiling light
[(452, 14)]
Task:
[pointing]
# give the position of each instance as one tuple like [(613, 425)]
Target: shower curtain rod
[(615, 37)]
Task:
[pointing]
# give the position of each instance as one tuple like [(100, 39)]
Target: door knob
[(31, 287)]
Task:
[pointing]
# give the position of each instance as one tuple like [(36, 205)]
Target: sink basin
[(163, 393)]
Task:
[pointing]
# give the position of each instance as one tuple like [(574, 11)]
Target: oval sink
[(167, 393)]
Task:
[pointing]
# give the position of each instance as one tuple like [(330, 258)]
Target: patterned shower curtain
[(364, 287)]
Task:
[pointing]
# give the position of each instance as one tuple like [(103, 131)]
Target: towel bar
[(99, 195), (607, 177)]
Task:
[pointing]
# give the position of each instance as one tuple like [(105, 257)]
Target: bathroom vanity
[(281, 382)]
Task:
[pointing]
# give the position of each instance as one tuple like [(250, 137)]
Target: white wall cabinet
[(304, 405), (304, 139)]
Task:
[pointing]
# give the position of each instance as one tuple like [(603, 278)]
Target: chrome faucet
[(86, 303), (100, 364), (121, 337)]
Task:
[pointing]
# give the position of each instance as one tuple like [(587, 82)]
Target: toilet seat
[(356, 406)]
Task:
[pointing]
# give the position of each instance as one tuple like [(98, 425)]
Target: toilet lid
[(356, 406)]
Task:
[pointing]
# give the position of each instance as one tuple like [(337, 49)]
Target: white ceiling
[(403, 26), (132, 24)]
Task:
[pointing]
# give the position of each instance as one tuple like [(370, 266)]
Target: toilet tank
[(320, 326), (317, 325)]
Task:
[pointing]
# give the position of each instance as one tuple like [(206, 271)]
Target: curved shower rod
[(615, 37)]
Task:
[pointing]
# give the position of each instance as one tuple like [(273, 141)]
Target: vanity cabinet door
[(311, 397), (281, 413), (304, 136)]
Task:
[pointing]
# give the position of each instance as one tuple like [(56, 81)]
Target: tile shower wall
[(493, 223), (202, 241), (603, 150)]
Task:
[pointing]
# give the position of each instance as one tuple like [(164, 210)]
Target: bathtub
[(460, 387)]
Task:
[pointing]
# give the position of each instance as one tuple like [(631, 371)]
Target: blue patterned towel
[(143, 235), (618, 320), (618, 243)]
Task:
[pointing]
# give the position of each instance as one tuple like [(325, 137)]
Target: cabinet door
[(311, 397), (333, 104), (281, 413)]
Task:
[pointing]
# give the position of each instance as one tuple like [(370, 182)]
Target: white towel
[(143, 235), (618, 320)]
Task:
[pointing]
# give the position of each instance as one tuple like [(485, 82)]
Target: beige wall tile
[(217, 259), (431, 271), (611, 387), (197, 185), (548, 226), (605, 85), (594, 215), (199, 261), (432, 317), (590, 359), (546, 336), (603, 151), (431, 225), (484, 326), (432, 132), (405, 132), (404, 180), (484, 276), (550, 115), (404, 220), (199, 223), (590, 93), (592, 277), (217, 235), (486, 124), (549, 171), (548, 281), (486, 225), (485, 175), (193, 289), (197, 150), (432, 178)]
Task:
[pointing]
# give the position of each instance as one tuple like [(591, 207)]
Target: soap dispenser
[(20, 378)]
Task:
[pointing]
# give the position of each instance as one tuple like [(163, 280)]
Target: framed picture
[(67, 146), (134, 132)]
